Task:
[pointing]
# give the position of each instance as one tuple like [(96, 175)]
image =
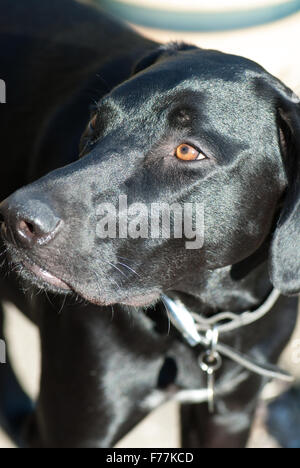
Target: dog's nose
[(28, 222)]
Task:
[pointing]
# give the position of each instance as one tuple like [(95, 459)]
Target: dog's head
[(211, 137)]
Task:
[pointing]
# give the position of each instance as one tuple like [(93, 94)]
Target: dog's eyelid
[(93, 122)]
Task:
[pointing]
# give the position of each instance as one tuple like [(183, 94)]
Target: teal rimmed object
[(197, 21)]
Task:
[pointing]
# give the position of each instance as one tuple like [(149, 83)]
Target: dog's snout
[(28, 222)]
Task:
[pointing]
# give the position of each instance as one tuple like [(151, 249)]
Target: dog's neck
[(235, 288), (219, 290)]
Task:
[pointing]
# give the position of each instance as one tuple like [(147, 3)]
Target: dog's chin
[(138, 301), (146, 300)]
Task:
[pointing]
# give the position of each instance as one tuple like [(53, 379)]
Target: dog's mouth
[(44, 279), (46, 276), (54, 281)]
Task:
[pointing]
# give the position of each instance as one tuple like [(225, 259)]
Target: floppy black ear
[(161, 51), (285, 248)]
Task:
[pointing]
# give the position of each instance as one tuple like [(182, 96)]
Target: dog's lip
[(45, 275), (142, 300)]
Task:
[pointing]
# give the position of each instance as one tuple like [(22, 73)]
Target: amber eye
[(187, 152)]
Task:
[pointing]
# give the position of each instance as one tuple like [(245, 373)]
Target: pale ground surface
[(276, 47)]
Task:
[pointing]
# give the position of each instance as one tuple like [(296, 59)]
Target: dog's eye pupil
[(187, 152)]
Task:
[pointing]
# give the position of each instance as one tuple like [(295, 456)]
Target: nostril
[(28, 222), (26, 230), (31, 232), (26, 227), (30, 227)]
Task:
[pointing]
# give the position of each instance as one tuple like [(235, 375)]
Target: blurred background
[(267, 31)]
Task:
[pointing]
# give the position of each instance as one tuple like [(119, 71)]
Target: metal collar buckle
[(190, 325)]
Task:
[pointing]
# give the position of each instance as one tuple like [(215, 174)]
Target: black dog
[(171, 124)]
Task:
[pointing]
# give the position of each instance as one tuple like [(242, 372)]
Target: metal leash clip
[(192, 325), (210, 362)]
